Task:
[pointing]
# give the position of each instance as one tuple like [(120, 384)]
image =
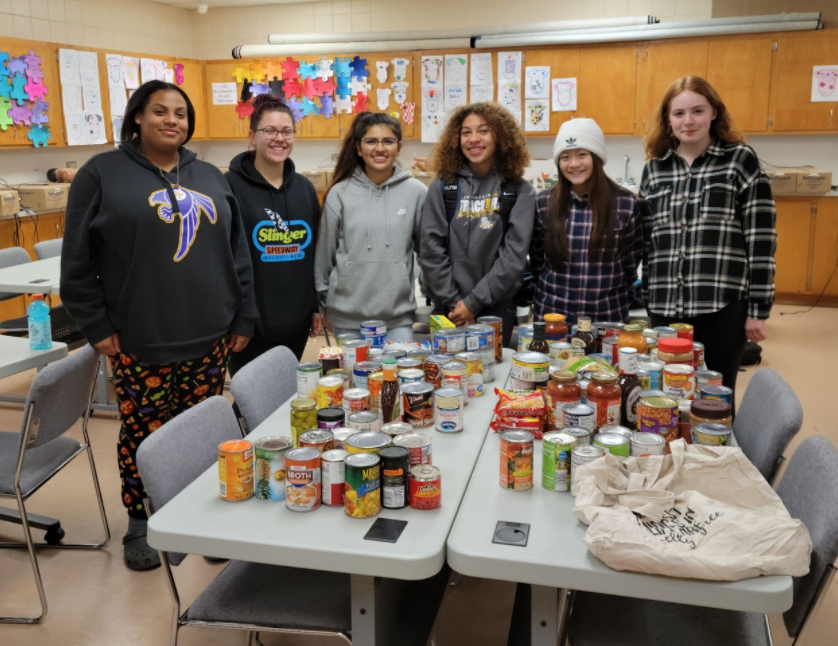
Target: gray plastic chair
[(768, 418), (48, 248), (246, 596), (263, 385), (60, 395), (809, 489), (12, 257)]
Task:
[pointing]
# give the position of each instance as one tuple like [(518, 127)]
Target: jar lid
[(554, 318), (605, 378), (710, 408), (303, 404), (564, 376), (675, 346), (634, 329)]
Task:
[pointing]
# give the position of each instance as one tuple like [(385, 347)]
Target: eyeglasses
[(387, 142), (273, 133)]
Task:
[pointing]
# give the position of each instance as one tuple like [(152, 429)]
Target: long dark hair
[(268, 103), (137, 105), (603, 193), (348, 157)]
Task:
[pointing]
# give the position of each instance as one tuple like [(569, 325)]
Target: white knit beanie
[(580, 133)]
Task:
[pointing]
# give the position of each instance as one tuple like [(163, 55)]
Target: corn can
[(362, 491), (516, 460), (555, 460), (303, 485), (235, 470), (270, 453), (367, 442)]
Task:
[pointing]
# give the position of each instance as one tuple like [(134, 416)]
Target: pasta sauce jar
[(556, 327), (563, 389), (604, 397)]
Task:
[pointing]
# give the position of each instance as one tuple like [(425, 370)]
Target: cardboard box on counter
[(320, 177), (9, 202), (783, 180), (813, 181), (424, 176), (43, 197)]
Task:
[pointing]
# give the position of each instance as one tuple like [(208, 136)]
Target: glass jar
[(556, 327), (303, 418), (584, 339), (604, 397), (710, 411), (631, 336), (562, 389), (675, 350)]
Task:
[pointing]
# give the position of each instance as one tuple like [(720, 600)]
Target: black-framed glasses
[(387, 142), (273, 133)]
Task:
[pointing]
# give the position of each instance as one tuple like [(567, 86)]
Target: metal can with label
[(395, 477), (531, 366), (333, 472), (355, 351), (496, 322), (341, 435), (375, 384), (361, 372), (235, 470), (583, 455), (394, 429), (396, 353), (665, 332), (329, 391), (367, 442), (525, 336), (474, 372), (698, 355), (418, 446), (561, 352), (518, 384), (707, 378), (330, 417), (617, 445), (409, 363), (344, 374), (655, 370), (356, 400), (619, 430), (418, 405), (363, 485), (454, 375), (376, 353), (516, 460), (711, 434), (303, 486), (364, 421), (683, 330), (645, 444), (346, 337), (448, 410), (480, 338), (420, 354), (658, 415), (582, 435), (410, 376), (308, 374), (433, 368), (722, 393), (425, 487), (321, 439), (679, 381), (449, 340), (269, 453), (580, 415), (375, 331), (555, 460)]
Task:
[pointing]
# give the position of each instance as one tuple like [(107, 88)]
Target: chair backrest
[(182, 449), (767, 419), (48, 248), (264, 384), (9, 258), (809, 489), (60, 394)]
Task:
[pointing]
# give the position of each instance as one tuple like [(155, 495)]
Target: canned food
[(375, 331), (344, 374), (518, 384), (645, 379), (449, 340), (329, 391), (454, 375), (665, 332), (480, 338), (303, 418), (684, 421), (698, 355), (619, 430), (683, 330), (582, 435), (340, 435), (496, 323), (420, 354), (525, 336), (645, 444), (346, 337), (409, 363), (375, 384), (433, 368), (516, 460), (321, 439), (330, 418), (418, 405), (395, 477), (364, 421), (270, 466), (679, 381), (396, 353), (356, 400), (580, 415), (617, 445), (707, 378), (555, 460), (425, 487), (474, 372), (410, 376), (448, 410), (333, 473), (561, 352), (394, 429), (375, 353), (363, 485), (531, 366), (711, 434), (583, 455), (655, 370), (722, 393), (418, 446), (658, 415), (361, 372), (367, 442), (235, 470), (302, 470), (307, 376)]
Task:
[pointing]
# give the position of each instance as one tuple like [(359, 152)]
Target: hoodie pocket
[(373, 290)]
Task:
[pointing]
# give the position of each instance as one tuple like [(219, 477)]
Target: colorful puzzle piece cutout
[(358, 85), (4, 58), (16, 65), (324, 68), (257, 88), (276, 88), (241, 74), (327, 107), (343, 90), (179, 73), (296, 108), (257, 72), (5, 119), (324, 86), (33, 62), (39, 136), (18, 89), (39, 112), (290, 69), (35, 89), (273, 70), (308, 88), (360, 103), (310, 107), (343, 67), (292, 87), (21, 114), (244, 108), (308, 70), (359, 66), (5, 89), (343, 105)]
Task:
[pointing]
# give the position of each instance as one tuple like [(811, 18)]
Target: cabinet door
[(740, 71), (794, 230), (13, 307), (223, 121), (825, 256), (563, 63), (662, 65), (606, 87), (195, 87), (792, 108)]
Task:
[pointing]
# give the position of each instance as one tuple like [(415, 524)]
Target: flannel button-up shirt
[(598, 285), (709, 233)]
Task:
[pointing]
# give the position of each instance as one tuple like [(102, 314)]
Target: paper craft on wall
[(307, 70), (432, 114), (400, 68), (359, 85), (224, 94), (71, 98), (564, 94), (537, 118), (360, 103), (481, 69), (17, 65), (327, 107), (824, 81), (114, 65), (359, 67), (537, 82), (5, 119), (116, 128), (81, 96), (383, 98), (75, 129), (343, 104), (509, 67), (19, 89), (4, 58), (408, 112), (91, 98), (325, 68), (146, 69), (89, 68), (94, 122), (179, 73), (432, 71), (39, 136), (343, 67), (169, 75), (116, 87), (481, 93), (20, 114), (509, 96), (400, 91), (131, 69), (160, 70), (39, 113), (455, 81), (381, 71), (454, 97), (68, 66), (33, 65)]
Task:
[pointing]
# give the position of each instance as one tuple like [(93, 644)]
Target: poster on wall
[(564, 94), (116, 92), (824, 81), (482, 86), (432, 83), (81, 96), (509, 82)]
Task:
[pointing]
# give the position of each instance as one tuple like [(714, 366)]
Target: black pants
[(723, 336), (507, 311), (258, 347)]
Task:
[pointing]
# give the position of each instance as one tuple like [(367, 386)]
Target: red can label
[(426, 494)]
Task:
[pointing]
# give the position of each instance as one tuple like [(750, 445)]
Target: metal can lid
[(273, 443), (647, 439), (348, 336), (604, 377), (411, 373), (393, 453), (408, 362), (357, 343), (710, 408), (342, 432), (560, 437), (651, 366), (588, 451), (489, 319), (397, 428), (424, 472), (309, 366), (530, 357), (632, 328), (330, 380), (361, 460), (302, 454), (716, 390), (708, 374), (449, 392), (619, 430), (576, 431), (680, 369), (659, 402), (611, 439), (440, 358), (362, 417), (368, 440), (356, 393), (395, 352), (453, 365), (420, 352), (469, 356), (418, 388), (449, 331), (564, 376), (372, 323), (412, 440), (334, 455), (479, 328), (235, 446), (367, 365), (303, 404), (517, 436), (318, 435), (578, 410), (713, 429), (651, 393), (330, 414)]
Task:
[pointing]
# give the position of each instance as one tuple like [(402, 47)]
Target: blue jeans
[(396, 334)]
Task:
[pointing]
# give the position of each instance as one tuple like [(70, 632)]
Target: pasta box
[(783, 180), (9, 202), (43, 197), (814, 180)]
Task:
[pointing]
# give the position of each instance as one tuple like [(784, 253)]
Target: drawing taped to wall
[(824, 81)]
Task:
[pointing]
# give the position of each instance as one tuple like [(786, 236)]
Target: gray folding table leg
[(549, 615)]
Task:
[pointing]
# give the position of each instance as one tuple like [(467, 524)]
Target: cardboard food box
[(43, 197), (9, 202), (319, 177), (424, 176), (814, 180), (439, 322), (783, 180)]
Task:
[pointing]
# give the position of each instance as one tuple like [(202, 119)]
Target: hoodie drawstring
[(386, 211), (369, 219)]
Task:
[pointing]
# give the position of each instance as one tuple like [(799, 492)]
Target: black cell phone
[(387, 530)]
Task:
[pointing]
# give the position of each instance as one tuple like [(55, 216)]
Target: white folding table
[(196, 521), (16, 355)]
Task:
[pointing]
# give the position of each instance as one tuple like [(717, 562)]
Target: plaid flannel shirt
[(598, 285), (709, 233)]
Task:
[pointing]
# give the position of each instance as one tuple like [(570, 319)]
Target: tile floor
[(96, 601)]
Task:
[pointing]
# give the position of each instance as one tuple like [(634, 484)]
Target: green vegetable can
[(303, 418), (555, 460)]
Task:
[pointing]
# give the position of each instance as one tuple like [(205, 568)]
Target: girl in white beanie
[(587, 240)]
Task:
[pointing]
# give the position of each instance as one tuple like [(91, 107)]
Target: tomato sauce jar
[(604, 396)]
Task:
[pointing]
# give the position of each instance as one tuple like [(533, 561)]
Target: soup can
[(707, 378), (580, 415), (525, 336), (474, 372), (616, 444), (321, 439), (449, 340), (645, 444), (308, 374), (409, 363), (340, 436), (410, 376), (355, 351), (454, 375), (331, 417), (345, 337), (561, 352), (425, 487), (711, 434), (394, 429), (235, 470), (302, 471), (363, 485), (583, 455), (433, 368), (375, 353), (658, 415), (555, 460), (395, 477), (329, 391), (519, 384), (418, 446), (698, 355), (665, 332), (361, 372), (683, 330), (364, 421), (516, 460), (269, 453), (679, 381), (356, 400), (367, 442), (418, 405), (582, 435), (448, 410), (333, 473), (375, 331), (722, 393), (496, 322), (531, 366)]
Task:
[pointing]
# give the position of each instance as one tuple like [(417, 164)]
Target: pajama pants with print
[(149, 395)]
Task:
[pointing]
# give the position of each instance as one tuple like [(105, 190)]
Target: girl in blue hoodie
[(369, 232)]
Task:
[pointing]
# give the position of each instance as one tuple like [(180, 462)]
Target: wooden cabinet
[(563, 63), (740, 71), (825, 254), (606, 75), (223, 121), (795, 227)]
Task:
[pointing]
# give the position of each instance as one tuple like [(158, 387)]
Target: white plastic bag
[(702, 512)]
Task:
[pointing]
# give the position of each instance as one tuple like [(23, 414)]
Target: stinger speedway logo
[(280, 240)]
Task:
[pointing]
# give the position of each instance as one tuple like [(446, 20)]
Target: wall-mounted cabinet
[(740, 70)]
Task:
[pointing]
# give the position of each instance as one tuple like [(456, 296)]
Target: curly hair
[(511, 153), (659, 140)]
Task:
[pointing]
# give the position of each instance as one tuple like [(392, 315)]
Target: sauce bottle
[(539, 343), (583, 340), (630, 387), (390, 397)]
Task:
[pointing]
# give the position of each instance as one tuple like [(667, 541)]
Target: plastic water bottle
[(40, 326)]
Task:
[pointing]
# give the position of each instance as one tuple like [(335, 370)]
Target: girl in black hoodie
[(155, 271), (280, 211)]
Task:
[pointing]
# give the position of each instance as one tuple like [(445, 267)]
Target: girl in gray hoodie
[(369, 232)]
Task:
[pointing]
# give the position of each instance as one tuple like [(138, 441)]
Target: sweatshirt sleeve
[(633, 246), (82, 292), (537, 243), (437, 270), (327, 245), (499, 283), (245, 318)]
